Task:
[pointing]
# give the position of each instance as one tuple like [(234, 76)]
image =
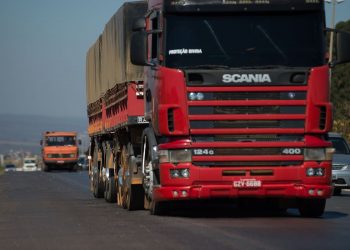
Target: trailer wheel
[(312, 207), (110, 193), (134, 192), (110, 190), (122, 188), (134, 197), (97, 182)]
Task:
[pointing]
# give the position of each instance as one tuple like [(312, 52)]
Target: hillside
[(340, 92), (23, 132)]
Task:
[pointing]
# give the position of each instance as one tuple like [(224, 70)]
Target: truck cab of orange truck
[(60, 150)]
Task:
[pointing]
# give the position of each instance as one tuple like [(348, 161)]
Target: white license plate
[(247, 183), (60, 162)]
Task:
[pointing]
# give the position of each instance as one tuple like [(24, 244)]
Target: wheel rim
[(122, 189), (109, 157), (146, 168), (95, 173)]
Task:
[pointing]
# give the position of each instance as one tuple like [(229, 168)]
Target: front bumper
[(210, 183), (227, 191), (61, 162)]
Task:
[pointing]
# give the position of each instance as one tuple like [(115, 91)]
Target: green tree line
[(340, 92)]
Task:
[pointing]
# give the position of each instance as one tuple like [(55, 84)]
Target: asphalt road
[(57, 211)]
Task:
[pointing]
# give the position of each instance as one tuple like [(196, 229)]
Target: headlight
[(174, 173), (200, 96), (192, 96), (319, 171), (185, 173), (196, 96), (49, 156), (346, 167), (310, 172), (315, 172), (318, 154), (72, 155), (175, 156), (179, 173)]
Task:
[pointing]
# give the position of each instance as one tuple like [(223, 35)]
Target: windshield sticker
[(185, 51)]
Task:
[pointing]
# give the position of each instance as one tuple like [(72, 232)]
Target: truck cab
[(60, 150), (237, 97)]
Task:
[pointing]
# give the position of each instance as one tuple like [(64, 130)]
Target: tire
[(46, 168), (157, 208), (97, 185), (134, 193), (337, 191), (110, 189), (312, 207), (110, 193), (135, 197), (74, 168), (149, 140)]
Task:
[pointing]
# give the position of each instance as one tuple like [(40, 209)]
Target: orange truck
[(60, 150)]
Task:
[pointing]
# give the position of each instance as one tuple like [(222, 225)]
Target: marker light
[(192, 96)]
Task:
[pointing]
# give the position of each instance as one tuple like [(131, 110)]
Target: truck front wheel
[(312, 207), (46, 168)]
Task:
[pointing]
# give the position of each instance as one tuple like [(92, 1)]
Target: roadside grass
[(1, 170)]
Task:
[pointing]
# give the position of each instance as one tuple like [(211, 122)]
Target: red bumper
[(227, 191), (209, 183)]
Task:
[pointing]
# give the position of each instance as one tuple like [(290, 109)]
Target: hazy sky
[(43, 44)]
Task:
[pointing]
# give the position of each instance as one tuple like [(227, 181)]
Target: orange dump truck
[(60, 150)]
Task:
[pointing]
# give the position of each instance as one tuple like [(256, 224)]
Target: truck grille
[(247, 113), (60, 156), (247, 126)]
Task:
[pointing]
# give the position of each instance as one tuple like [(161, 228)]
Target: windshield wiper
[(212, 32), (274, 45)]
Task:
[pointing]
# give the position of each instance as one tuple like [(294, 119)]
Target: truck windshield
[(245, 40), (29, 161), (60, 141)]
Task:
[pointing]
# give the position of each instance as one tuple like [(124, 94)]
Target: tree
[(340, 91)]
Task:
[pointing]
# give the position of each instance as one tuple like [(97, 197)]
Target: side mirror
[(343, 47), (79, 142), (138, 49), (41, 142)]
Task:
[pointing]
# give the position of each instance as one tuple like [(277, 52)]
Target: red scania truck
[(194, 99)]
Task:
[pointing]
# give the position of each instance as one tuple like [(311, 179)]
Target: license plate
[(60, 162), (247, 183)]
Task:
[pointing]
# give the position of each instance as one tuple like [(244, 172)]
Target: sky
[(43, 45)]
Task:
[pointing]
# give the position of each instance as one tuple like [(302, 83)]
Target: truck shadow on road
[(235, 209)]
